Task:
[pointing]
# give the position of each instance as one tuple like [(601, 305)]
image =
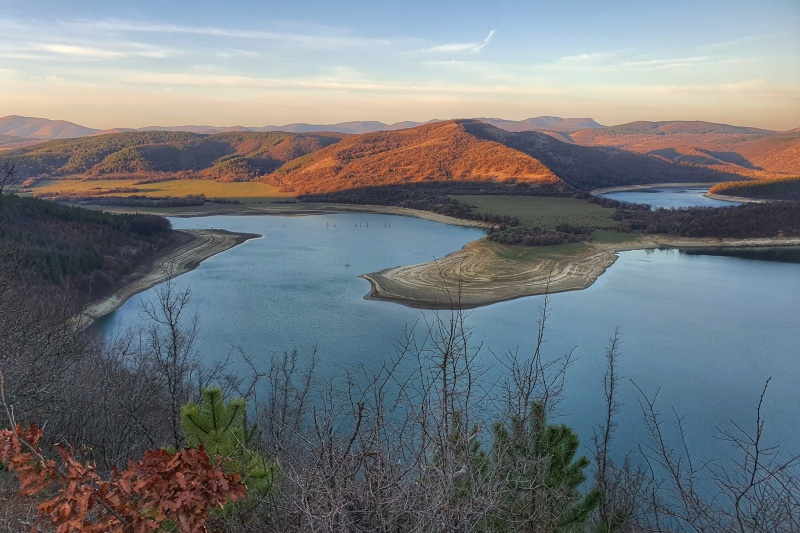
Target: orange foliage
[(436, 152), (162, 487)]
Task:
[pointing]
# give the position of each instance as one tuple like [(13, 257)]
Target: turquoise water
[(704, 331)]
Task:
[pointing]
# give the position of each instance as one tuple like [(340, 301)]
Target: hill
[(470, 150), (439, 152), (745, 151), (224, 156), (42, 128)]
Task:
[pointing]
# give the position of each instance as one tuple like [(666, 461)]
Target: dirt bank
[(194, 246)]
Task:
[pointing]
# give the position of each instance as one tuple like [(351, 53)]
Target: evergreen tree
[(222, 429), (534, 463)]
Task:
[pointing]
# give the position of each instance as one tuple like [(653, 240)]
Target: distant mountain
[(587, 167), (42, 128), (776, 153), (232, 156), (554, 124), (9, 142)]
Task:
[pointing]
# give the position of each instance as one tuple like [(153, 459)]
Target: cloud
[(331, 39), (317, 84), (462, 47), (667, 63), (82, 52)]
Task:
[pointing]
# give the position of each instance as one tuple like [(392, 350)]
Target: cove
[(704, 331), (669, 196)]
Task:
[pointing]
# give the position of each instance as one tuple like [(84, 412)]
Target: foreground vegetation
[(416, 444)]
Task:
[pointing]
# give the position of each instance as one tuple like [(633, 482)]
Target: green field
[(549, 213), (543, 212), (246, 192)]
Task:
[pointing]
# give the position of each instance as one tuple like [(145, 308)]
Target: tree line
[(772, 219)]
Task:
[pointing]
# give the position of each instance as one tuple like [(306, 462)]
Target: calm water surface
[(669, 197), (704, 331)]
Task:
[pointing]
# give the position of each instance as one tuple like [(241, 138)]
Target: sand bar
[(477, 275)]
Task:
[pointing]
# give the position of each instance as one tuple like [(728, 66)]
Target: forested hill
[(473, 151), (440, 152), (587, 168), (89, 250), (749, 151), (224, 156), (444, 152)]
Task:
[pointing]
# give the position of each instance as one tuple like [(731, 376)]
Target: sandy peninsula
[(194, 246), (479, 274)]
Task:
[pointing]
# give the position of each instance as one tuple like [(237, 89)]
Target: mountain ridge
[(47, 129)]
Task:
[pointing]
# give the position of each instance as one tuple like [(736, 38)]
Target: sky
[(107, 64)]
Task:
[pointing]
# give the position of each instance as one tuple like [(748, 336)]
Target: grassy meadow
[(543, 212), (245, 192)]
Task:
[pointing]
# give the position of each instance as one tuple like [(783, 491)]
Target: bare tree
[(170, 358), (756, 493), (9, 178)]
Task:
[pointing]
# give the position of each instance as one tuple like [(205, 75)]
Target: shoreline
[(471, 277), (197, 245), (644, 187), (194, 247), (720, 197)]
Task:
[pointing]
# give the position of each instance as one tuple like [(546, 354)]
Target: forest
[(773, 219), (86, 248)]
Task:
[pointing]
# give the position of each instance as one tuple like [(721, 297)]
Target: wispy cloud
[(665, 63), (623, 60), (462, 47), (84, 52), (328, 83), (331, 39)]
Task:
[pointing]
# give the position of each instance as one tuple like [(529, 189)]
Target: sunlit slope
[(232, 156), (441, 152)]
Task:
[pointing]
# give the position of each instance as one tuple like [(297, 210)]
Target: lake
[(705, 331)]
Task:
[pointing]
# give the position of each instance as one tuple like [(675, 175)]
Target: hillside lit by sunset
[(137, 64)]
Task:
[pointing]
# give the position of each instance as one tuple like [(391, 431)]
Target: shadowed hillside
[(441, 152), (757, 153), (593, 167), (224, 156)]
